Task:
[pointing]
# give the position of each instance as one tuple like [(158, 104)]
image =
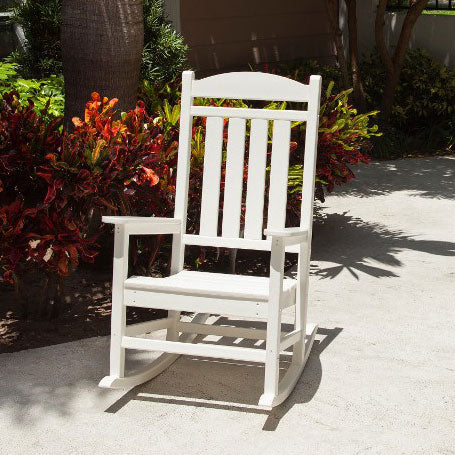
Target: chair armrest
[(294, 232), (137, 225)]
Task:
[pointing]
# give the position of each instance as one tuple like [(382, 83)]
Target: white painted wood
[(226, 242), (151, 220), (137, 225), (183, 174), (154, 368), (306, 218), (248, 113), (287, 384), (311, 141), (231, 295), (257, 160), (223, 330), (287, 232), (272, 372), (199, 304), (289, 339), (233, 184), (210, 201), (250, 86), (118, 316), (234, 332), (276, 217), (199, 349), (247, 244), (220, 285), (183, 169), (144, 375), (146, 327)]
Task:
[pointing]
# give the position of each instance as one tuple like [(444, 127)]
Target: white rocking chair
[(221, 294)]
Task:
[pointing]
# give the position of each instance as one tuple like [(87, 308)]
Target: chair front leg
[(118, 316), (272, 363)]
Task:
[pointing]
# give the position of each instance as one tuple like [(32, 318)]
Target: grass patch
[(443, 12)]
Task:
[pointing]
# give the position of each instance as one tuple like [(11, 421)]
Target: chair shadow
[(230, 385)]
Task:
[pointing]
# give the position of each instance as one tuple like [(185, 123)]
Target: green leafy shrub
[(425, 94), (40, 20), (344, 141), (47, 94), (423, 115), (164, 54)]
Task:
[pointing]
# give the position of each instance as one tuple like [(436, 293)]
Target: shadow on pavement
[(427, 177), (351, 243), (229, 385)]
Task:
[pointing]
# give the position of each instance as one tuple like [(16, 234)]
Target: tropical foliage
[(53, 185), (40, 21), (47, 94), (426, 92)]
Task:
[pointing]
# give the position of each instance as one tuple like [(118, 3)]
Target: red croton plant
[(54, 186)]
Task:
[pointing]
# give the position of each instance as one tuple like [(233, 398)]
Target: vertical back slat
[(211, 178), (276, 217), (256, 179), (234, 177)]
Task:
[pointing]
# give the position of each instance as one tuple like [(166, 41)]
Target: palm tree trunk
[(102, 44)]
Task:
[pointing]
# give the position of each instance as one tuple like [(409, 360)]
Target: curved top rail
[(251, 85)]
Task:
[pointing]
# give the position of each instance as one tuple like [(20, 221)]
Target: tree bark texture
[(337, 34), (357, 84), (102, 43), (394, 63)]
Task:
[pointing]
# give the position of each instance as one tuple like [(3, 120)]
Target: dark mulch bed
[(87, 308), (86, 313)]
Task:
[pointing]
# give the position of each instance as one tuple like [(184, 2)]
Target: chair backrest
[(246, 86)]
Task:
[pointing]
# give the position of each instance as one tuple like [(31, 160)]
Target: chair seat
[(215, 285)]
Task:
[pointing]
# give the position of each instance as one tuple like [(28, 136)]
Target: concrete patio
[(380, 378)]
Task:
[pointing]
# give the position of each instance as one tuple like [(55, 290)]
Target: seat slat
[(256, 180), (234, 178), (276, 217), (196, 304), (210, 284), (211, 176)]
